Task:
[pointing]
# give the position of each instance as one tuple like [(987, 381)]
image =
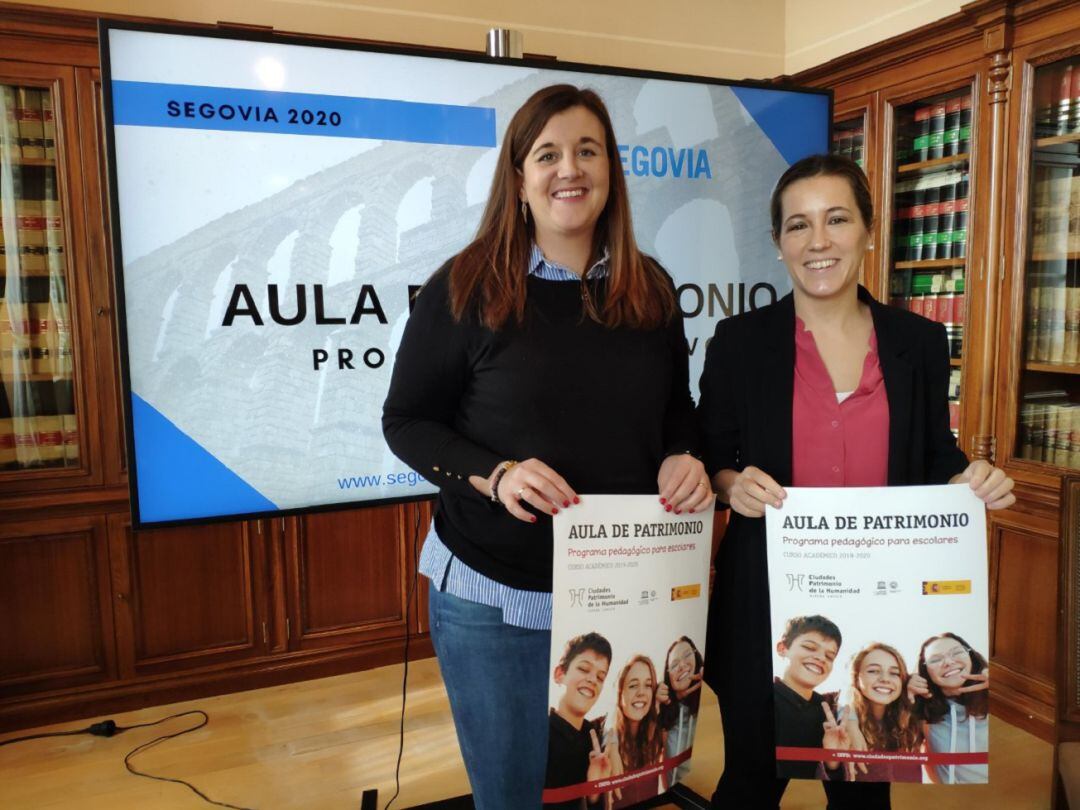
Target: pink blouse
[(837, 444)]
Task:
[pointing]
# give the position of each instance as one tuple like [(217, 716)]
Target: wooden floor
[(319, 744)]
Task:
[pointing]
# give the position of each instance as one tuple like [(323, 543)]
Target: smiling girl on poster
[(880, 716), (679, 697), (952, 698), (635, 739)]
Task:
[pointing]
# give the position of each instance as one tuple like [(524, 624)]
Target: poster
[(277, 202), (880, 622), (629, 603)]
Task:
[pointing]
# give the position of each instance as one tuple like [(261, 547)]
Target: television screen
[(276, 201)]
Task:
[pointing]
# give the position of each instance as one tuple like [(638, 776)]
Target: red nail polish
[(554, 510), (577, 499), (533, 518), (667, 508), (678, 511), (663, 500), (691, 511), (566, 504)]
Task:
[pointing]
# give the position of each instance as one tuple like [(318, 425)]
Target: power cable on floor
[(405, 676), (109, 728)]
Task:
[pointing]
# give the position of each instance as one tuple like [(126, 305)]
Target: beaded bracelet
[(499, 473)]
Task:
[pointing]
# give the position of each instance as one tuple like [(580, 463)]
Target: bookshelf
[(930, 189), (1048, 417), (92, 613), (849, 137), (38, 424)]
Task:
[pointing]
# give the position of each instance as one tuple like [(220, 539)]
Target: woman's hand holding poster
[(881, 629), (630, 591)]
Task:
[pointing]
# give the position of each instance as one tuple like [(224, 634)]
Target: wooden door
[(47, 353)]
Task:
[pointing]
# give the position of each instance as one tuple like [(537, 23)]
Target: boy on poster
[(628, 624), (880, 614)]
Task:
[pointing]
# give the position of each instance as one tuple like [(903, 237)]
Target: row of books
[(35, 341), (34, 260), (931, 217), (32, 288), (1057, 100), (904, 282), (946, 308), (849, 143), (29, 120), (1055, 210), (1050, 429), (1053, 320), (38, 441), (37, 238), (24, 398), (938, 129)]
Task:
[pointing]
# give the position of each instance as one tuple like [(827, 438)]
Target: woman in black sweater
[(546, 359)]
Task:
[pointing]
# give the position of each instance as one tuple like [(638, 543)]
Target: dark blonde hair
[(822, 166), (645, 747), (488, 277), (898, 729)]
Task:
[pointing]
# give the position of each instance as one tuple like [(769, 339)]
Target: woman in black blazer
[(821, 214)]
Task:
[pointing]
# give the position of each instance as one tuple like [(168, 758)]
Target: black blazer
[(745, 407)]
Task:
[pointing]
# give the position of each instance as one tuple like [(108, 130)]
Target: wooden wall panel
[(1026, 604), (192, 595), (54, 600), (1023, 642), (349, 574)]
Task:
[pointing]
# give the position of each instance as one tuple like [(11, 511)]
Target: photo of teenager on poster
[(679, 697), (879, 716), (635, 739), (951, 692), (805, 718), (575, 754)]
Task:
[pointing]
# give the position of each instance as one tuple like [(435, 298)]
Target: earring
[(779, 257), (525, 212)]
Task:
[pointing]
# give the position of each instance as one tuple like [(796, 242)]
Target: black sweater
[(602, 407)]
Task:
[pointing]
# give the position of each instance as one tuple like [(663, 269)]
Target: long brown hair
[(898, 729), (489, 275), (645, 747), (934, 708)]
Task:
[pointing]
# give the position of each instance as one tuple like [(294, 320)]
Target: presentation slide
[(275, 203)]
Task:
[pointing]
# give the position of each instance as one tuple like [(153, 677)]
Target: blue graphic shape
[(178, 479), (188, 106), (796, 123)]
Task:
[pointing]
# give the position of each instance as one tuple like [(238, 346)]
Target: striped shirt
[(528, 609)]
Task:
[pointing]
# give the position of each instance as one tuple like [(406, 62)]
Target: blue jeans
[(496, 676)]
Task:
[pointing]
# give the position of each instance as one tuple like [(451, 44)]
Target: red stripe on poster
[(569, 792), (831, 755)]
